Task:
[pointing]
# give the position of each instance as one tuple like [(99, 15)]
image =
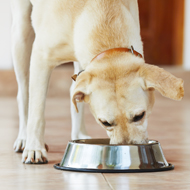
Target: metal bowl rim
[(169, 167), (154, 142)]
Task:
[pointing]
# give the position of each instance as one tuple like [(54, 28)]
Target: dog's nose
[(142, 141), (119, 141), (127, 141)]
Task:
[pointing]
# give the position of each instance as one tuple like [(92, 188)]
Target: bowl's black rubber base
[(57, 166)]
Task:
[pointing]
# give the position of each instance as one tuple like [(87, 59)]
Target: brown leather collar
[(109, 51), (74, 77)]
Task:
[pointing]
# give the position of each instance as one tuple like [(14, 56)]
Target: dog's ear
[(78, 97), (81, 92), (161, 80)]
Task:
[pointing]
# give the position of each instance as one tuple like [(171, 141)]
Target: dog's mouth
[(131, 142)]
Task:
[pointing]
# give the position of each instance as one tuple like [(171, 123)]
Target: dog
[(102, 38)]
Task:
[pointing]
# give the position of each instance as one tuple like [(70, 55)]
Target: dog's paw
[(35, 156), (19, 145)]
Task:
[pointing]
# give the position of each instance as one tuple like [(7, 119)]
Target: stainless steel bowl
[(97, 155)]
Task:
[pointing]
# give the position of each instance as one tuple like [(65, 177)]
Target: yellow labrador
[(99, 36)]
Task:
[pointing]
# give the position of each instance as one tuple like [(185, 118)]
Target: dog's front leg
[(22, 40), (40, 71), (78, 125)]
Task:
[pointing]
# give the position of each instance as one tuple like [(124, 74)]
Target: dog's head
[(120, 92)]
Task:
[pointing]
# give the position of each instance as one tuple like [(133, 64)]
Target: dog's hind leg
[(78, 125), (22, 40)]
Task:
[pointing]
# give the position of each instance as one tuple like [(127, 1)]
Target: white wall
[(186, 57), (5, 35)]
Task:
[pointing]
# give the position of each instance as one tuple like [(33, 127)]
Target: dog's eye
[(105, 123), (138, 117)]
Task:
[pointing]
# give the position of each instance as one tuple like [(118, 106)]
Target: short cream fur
[(118, 87)]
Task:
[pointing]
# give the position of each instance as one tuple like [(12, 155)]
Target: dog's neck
[(109, 52), (105, 30)]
